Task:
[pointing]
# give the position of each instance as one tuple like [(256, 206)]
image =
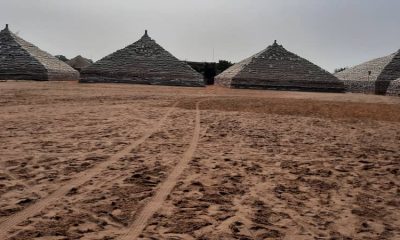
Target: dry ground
[(124, 161)]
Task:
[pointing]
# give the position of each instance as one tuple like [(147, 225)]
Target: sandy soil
[(98, 161)]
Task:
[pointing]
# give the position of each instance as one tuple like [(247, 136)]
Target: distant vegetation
[(338, 70), (223, 65), (62, 58), (210, 69)]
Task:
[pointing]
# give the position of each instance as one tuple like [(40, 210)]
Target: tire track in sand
[(78, 180), (165, 187)]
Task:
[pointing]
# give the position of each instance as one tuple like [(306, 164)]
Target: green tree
[(337, 70), (62, 58), (222, 65)]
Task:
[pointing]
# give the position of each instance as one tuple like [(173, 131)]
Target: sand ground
[(98, 161)]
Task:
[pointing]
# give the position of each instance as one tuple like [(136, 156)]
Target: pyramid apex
[(145, 35), (275, 43), (6, 27)]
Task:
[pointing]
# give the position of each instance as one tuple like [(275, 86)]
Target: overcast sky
[(330, 33)]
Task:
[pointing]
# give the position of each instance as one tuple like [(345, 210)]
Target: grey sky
[(331, 33)]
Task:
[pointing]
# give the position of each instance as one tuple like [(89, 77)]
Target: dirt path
[(166, 187), (78, 180)]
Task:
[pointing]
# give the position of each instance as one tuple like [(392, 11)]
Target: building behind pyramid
[(373, 76), (21, 60), (277, 68), (143, 62)]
